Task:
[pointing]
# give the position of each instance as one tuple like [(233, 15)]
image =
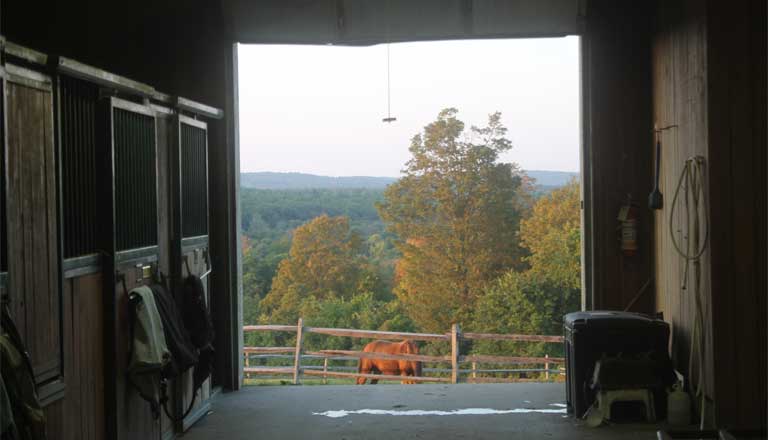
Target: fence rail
[(455, 359)]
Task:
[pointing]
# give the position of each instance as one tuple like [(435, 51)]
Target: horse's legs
[(363, 367), (405, 371), (374, 370)]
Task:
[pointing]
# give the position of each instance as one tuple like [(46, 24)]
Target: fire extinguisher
[(628, 217)]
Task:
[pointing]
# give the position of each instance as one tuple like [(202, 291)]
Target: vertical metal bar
[(79, 160), (91, 181), (69, 168)]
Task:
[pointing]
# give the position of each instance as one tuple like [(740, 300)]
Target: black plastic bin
[(590, 335)]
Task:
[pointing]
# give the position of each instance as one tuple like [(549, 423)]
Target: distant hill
[(270, 180), (552, 178), (546, 180)]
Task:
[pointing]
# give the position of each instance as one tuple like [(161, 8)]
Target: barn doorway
[(326, 130)]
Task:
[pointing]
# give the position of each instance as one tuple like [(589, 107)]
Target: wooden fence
[(455, 359)]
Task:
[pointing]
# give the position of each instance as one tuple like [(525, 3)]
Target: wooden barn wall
[(680, 99), (617, 86), (709, 78), (736, 89)]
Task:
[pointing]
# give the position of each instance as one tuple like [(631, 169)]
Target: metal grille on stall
[(194, 177), (78, 105), (135, 178)]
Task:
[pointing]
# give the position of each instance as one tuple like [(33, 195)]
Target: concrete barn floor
[(286, 412)]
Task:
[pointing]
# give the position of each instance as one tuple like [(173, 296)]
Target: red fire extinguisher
[(628, 215)]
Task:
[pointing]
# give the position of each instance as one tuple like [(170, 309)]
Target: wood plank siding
[(82, 412), (680, 109), (709, 80), (32, 240), (736, 89)]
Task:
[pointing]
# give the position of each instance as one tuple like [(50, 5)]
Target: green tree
[(523, 303), (534, 301), (325, 261), (456, 212), (552, 235)]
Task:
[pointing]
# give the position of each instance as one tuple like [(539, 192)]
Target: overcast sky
[(318, 109)]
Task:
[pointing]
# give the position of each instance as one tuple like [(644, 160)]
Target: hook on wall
[(655, 198)]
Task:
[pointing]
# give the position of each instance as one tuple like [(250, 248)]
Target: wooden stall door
[(191, 246), (32, 238), (82, 412), (135, 246)]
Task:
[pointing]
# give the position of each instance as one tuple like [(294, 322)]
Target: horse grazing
[(386, 366)]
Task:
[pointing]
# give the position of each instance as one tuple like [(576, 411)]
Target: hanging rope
[(692, 180), (389, 118)]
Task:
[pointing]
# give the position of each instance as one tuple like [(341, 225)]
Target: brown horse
[(386, 366)]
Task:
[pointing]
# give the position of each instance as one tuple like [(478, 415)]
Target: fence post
[(325, 371), (297, 355), (455, 353), (474, 370), (546, 368)]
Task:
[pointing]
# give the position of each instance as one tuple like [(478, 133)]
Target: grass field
[(287, 381), (331, 381)]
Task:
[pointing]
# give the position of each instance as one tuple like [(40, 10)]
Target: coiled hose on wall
[(693, 188)]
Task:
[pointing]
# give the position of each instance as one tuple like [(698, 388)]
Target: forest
[(460, 237)]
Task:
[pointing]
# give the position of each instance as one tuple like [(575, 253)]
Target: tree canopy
[(325, 261), (456, 213), (533, 301), (552, 234)]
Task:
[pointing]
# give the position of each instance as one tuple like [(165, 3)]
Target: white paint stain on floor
[(456, 412)]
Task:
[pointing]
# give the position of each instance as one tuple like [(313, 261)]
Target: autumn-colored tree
[(552, 234), (456, 212), (325, 261)]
